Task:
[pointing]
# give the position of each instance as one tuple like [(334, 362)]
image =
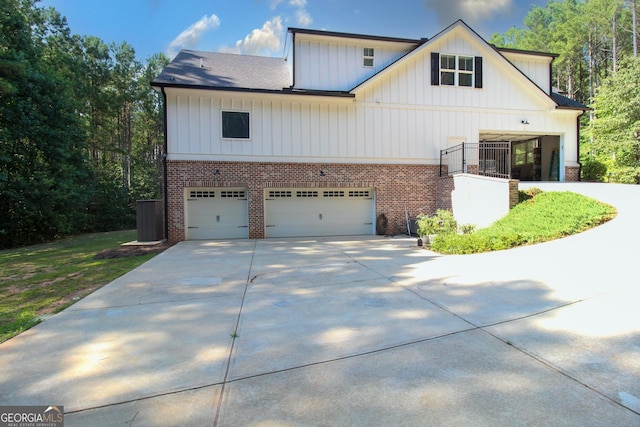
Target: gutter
[(164, 167), (283, 91)]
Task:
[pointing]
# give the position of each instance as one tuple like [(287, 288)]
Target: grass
[(46, 278), (546, 216)]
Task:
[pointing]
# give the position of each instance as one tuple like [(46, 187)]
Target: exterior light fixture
[(322, 173), (216, 172), (525, 122)]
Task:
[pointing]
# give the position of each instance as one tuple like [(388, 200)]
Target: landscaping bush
[(593, 170), (441, 223)]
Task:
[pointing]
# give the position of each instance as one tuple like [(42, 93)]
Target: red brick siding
[(399, 189), (572, 173), (514, 193), (446, 185)]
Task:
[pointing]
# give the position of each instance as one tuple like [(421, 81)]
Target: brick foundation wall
[(572, 173), (446, 185), (398, 187)]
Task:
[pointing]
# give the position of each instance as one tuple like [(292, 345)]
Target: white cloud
[(275, 3), (469, 10), (191, 36), (303, 17), (259, 40)]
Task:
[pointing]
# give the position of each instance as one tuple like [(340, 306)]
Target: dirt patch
[(129, 251)]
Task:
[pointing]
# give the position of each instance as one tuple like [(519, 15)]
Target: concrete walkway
[(351, 331)]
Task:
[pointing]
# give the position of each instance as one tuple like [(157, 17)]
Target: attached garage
[(216, 213), (291, 212)]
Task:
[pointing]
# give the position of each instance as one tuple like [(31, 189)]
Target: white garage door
[(216, 213), (318, 212)]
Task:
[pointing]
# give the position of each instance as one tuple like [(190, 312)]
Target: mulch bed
[(129, 251)]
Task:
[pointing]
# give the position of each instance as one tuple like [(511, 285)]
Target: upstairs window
[(456, 70), (367, 57), (235, 125), (465, 71), (447, 70)]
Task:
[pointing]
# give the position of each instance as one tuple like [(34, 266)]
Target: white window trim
[(371, 57), (226, 138), (457, 71)]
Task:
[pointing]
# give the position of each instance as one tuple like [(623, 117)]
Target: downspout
[(551, 77), (164, 168), (293, 60), (578, 137)]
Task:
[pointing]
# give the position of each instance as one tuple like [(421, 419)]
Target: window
[(465, 71), (448, 70), (454, 70), (523, 152), (367, 57), (235, 125)]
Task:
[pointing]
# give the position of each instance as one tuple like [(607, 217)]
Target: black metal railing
[(484, 158)]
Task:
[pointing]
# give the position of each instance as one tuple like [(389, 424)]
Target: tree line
[(81, 130), (598, 65)]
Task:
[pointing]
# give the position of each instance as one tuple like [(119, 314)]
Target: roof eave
[(283, 91), (525, 52), (566, 107), (294, 30)]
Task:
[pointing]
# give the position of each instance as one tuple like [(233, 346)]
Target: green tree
[(615, 129), (148, 138), (42, 168)]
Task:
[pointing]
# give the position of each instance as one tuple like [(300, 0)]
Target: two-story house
[(350, 138)]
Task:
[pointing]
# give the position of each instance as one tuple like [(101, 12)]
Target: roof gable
[(487, 50)]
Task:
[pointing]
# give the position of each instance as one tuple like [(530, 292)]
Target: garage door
[(318, 212), (216, 213)]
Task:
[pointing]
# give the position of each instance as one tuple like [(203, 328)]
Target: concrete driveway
[(351, 331)]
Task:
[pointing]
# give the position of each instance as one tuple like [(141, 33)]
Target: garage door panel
[(216, 214), (318, 212)]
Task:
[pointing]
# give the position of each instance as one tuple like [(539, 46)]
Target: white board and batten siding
[(292, 212), (361, 131), (397, 117), (216, 213), (536, 68), (325, 63)]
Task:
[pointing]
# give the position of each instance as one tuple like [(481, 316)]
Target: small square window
[(235, 125), (367, 56), (456, 70)]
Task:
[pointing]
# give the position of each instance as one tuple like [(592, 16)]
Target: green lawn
[(46, 278), (546, 216)]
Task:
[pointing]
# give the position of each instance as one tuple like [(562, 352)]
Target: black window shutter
[(478, 72), (435, 68)]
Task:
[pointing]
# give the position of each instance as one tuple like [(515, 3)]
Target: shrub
[(468, 228), (593, 170), (442, 222)]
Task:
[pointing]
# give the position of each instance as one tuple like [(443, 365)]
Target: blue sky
[(260, 26)]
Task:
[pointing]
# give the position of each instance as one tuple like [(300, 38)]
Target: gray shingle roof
[(225, 71), (565, 102)]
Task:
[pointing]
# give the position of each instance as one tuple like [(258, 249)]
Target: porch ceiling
[(505, 136)]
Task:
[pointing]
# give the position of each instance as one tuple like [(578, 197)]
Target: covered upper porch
[(504, 155)]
